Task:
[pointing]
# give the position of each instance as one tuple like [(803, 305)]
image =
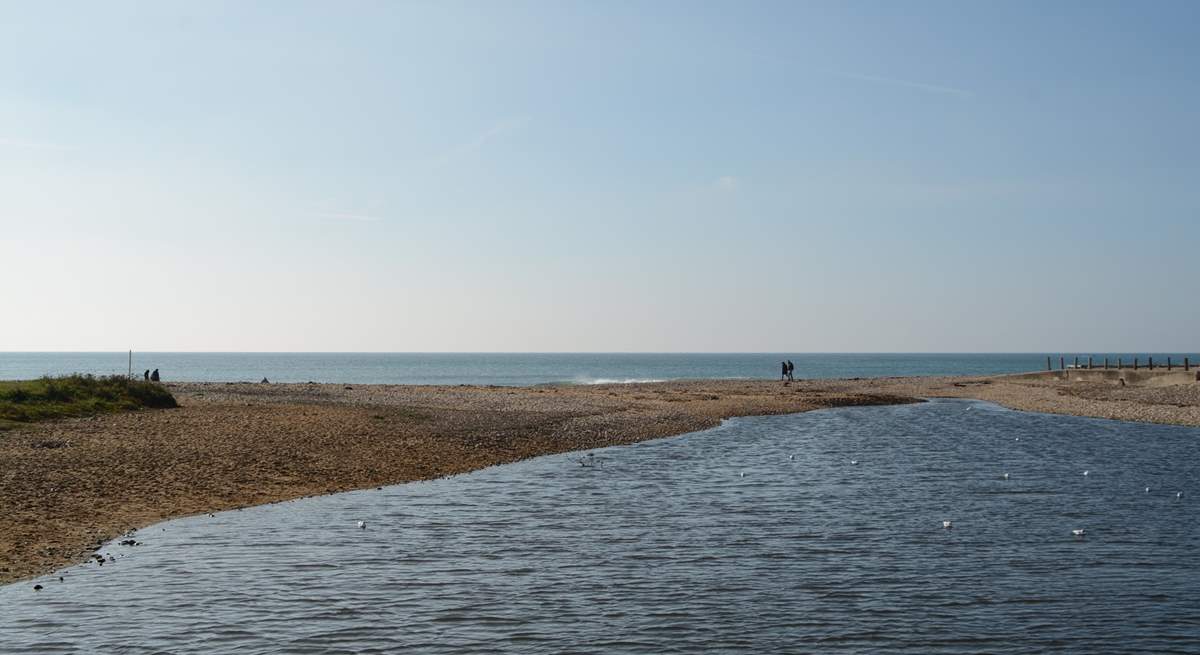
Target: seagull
[(1079, 532), (1147, 489), (792, 457), (1179, 494), (947, 524), (854, 462), (1018, 438), (1005, 476), (362, 525), (741, 475), (1085, 473)]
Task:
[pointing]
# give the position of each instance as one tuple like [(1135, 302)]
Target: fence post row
[(1120, 364)]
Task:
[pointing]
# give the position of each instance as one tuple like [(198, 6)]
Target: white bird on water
[(362, 525), (1179, 494), (1079, 532), (741, 475), (947, 524), (1005, 476), (792, 457), (1085, 473), (1147, 489), (854, 462)]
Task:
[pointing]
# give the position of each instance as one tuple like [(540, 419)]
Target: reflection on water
[(668, 547)]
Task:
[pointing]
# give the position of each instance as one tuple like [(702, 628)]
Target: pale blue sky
[(600, 176)]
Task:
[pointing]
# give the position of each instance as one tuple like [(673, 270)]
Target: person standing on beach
[(154, 376), (783, 371), (790, 367), (146, 375)]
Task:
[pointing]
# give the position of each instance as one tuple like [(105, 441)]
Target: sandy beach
[(67, 486)]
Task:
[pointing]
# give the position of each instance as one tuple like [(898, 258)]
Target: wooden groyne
[(1136, 364)]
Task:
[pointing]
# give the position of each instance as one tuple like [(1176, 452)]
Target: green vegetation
[(23, 401)]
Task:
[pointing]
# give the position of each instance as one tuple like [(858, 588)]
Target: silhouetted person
[(146, 375), (783, 370), (790, 367), (154, 376)]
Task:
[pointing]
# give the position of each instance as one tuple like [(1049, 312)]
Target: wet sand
[(67, 486)]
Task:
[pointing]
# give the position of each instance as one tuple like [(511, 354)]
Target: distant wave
[(591, 381), (616, 381)]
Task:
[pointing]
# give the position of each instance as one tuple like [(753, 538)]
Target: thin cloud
[(34, 145), (939, 89), (908, 84), (499, 128), (350, 217), (726, 183)]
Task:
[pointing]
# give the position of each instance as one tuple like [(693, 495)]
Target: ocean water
[(523, 368), (760, 536)]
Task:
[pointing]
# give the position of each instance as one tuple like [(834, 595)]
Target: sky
[(600, 176)]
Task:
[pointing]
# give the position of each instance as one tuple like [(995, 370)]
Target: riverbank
[(67, 486)]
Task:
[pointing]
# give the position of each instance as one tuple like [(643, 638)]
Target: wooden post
[(1089, 362), (1151, 363), (129, 375), (1076, 362), (1106, 363), (1168, 363), (1062, 363), (1135, 363), (1048, 367), (1120, 364), (1185, 363)]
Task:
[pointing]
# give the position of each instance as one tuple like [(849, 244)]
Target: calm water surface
[(525, 368), (668, 547)]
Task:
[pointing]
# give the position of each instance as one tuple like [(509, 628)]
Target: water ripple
[(669, 548)]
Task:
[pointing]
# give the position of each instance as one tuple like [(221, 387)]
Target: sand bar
[(67, 486)]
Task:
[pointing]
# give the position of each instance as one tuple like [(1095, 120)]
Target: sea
[(821, 532), (523, 369)]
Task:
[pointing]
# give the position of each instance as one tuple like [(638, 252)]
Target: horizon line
[(594, 352)]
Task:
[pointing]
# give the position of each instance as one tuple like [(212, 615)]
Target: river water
[(757, 536)]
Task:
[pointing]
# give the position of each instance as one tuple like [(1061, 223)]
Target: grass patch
[(25, 401)]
